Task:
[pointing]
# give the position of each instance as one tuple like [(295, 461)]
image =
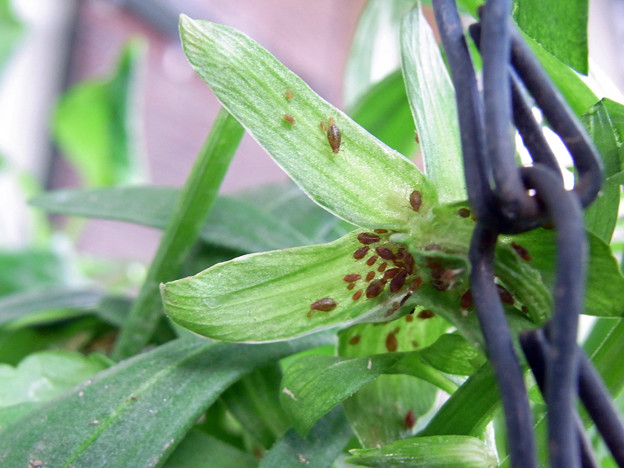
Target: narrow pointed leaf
[(136, 413), (428, 452), (432, 100), (232, 223), (318, 450), (277, 295), (364, 182), (200, 450)]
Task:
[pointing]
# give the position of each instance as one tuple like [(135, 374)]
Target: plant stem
[(194, 204)]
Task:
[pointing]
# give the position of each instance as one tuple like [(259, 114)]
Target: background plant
[(223, 404)]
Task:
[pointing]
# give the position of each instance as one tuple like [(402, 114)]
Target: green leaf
[(577, 94), (365, 183), (428, 452), (95, 125), (136, 413), (469, 409), (30, 268), (560, 26), (189, 216), (10, 31), (254, 402), (318, 450), (432, 100), (604, 285), (232, 223), (452, 353), (46, 375), (270, 296), (375, 45), (199, 450), (384, 111), (313, 385), (25, 307), (601, 216)]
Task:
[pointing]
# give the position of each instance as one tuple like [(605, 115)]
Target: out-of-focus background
[(63, 43)]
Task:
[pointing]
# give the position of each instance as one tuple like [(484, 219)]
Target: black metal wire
[(509, 199)]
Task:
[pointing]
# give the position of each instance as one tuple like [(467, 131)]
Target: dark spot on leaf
[(372, 260), (464, 212), (398, 281), (374, 289), (385, 253), (368, 238), (415, 200), (391, 342), (425, 314), (360, 253), (415, 344), (522, 252), (410, 420), (325, 305), (352, 277), (357, 294), (355, 339), (409, 318)]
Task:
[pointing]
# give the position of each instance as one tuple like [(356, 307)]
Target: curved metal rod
[(535, 348), (558, 114), (509, 376), (561, 374)]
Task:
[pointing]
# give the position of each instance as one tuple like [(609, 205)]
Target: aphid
[(524, 253), (415, 200), (405, 298), (391, 342), (289, 118), (385, 253), (360, 253), (440, 285), (415, 344), (371, 261), (325, 305), (355, 339), (374, 289), (352, 277), (400, 253), (464, 212), (334, 136), (368, 238), (357, 294), (391, 273), (323, 126), (370, 276), (381, 231), (398, 281), (382, 267), (408, 260), (409, 318), (505, 296), (425, 314), (466, 300), (289, 94), (416, 137), (415, 284), (350, 286), (410, 420)]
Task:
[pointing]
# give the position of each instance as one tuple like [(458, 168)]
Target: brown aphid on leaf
[(522, 252), (416, 137), (410, 420), (369, 276), (323, 126), (289, 118), (381, 231), (352, 277), (405, 298), (466, 300), (382, 267), (355, 339), (464, 212), (357, 294), (398, 281), (368, 238), (374, 289), (371, 261), (391, 273), (334, 136), (325, 305), (391, 342), (408, 260), (360, 253), (415, 200), (409, 318), (350, 286), (425, 314), (385, 253), (289, 95), (505, 296), (415, 284)]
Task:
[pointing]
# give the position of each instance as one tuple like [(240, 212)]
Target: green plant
[(384, 345)]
